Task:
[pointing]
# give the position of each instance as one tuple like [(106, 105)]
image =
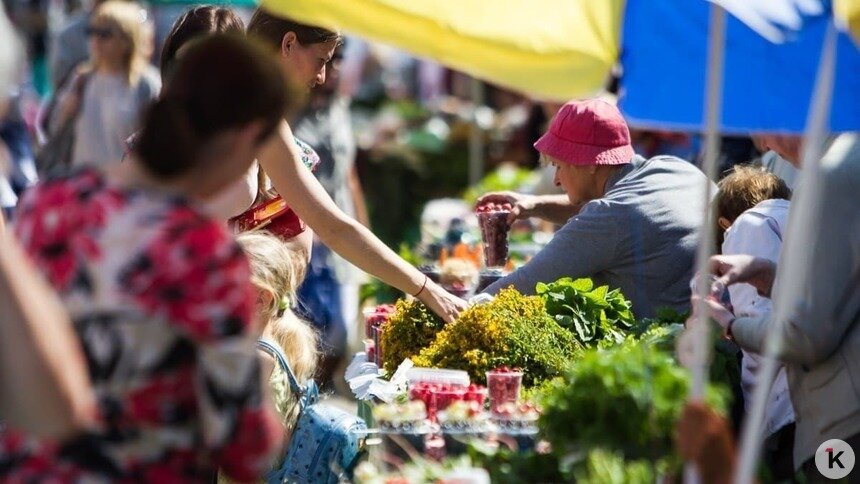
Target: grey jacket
[(641, 237), (822, 335)]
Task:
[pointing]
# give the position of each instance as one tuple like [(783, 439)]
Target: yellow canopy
[(551, 49), (847, 12)]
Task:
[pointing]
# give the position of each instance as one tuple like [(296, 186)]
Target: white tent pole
[(709, 166), (712, 112), (796, 258)]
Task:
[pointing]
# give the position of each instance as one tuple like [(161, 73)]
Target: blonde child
[(277, 269)]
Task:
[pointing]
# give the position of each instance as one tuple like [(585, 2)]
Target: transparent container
[(438, 375), (503, 388)]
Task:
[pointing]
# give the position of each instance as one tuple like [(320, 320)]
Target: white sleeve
[(751, 234)]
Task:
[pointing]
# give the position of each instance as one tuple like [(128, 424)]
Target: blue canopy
[(767, 86)]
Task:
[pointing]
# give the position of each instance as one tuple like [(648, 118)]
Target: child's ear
[(724, 223)]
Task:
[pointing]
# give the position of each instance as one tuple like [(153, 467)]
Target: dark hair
[(198, 21), (271, 30), (223, 82)]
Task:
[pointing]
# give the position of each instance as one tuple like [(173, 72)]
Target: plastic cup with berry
[(493, 220), (503, 386)]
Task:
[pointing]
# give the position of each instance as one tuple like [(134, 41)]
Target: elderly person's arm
[(552, 208), (587, 244)]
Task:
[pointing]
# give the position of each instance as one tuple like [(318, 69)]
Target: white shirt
[(110, 112), (758, 232)]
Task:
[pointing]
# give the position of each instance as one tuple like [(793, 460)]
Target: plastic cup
[(494, 233), (503, 387), (444, 398)]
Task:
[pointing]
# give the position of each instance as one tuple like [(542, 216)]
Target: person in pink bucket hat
[(628, 222)]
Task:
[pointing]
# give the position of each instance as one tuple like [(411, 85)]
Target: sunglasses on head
[(100, 32)]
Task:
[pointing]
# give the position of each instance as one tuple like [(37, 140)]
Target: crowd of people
[(136, 361)]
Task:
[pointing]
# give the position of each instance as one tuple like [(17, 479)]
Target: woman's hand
[(523, 205), (733, 269), (441, 302)]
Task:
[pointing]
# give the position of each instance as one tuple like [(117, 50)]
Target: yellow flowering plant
[(512, 330)]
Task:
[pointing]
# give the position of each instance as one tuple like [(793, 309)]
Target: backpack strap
[(300, 391)]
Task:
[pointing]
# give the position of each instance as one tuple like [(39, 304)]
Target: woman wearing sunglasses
[(106, 97)]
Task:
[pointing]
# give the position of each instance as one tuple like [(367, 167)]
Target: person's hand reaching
[(523, 206), (441, 302), (733, 269)]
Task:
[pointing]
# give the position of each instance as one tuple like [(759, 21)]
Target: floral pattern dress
[(161, 300)]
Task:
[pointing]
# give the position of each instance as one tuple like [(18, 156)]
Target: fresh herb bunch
[(591, 313), (624, 399), (512, 330), (411, 328)]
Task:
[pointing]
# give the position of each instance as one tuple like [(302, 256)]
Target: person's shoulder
[(69, 182), (672, 163), (841, 161), (774, 207), (197, 257)]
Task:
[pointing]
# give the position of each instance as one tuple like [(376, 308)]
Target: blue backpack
[(326, 443)]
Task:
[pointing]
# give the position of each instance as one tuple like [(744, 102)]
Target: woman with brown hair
[(303, 52), (106, 97), (159, 293)]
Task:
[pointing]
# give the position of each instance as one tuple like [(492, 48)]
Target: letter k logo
[(834, 459)]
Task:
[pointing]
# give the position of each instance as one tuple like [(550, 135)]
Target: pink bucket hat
[(584, 133)]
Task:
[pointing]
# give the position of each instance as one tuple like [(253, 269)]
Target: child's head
[(744, 188), (276, 271)]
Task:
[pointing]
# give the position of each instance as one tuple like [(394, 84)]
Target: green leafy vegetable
[(592, 313), (625, 399)]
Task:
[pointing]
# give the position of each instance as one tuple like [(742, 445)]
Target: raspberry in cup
[(503, 386), (493, 219)]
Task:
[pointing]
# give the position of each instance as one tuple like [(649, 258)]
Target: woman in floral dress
[(159, 293)]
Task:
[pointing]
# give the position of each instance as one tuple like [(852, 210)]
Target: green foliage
[(592, 313), (504, 178), (725, 368), (507, 466), (604, 467), (625, 399), (513, 330), (663, 317), (411, 328)]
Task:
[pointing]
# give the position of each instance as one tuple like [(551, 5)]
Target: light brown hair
[(745, 187)]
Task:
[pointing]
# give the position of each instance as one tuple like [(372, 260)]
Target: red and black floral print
[(161, 300)]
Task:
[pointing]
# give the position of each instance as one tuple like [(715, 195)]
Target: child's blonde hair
[(277, 269)]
